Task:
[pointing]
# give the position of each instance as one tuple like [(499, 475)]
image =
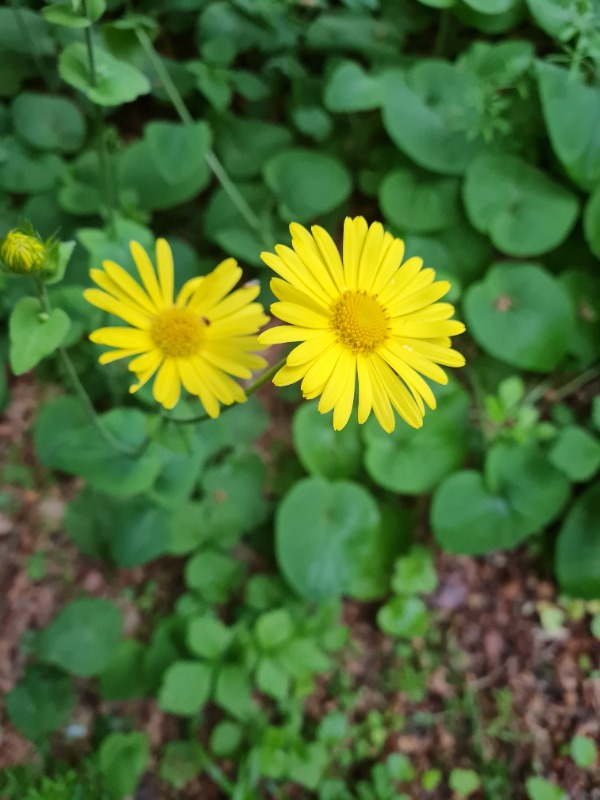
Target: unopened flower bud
[(22, 253)]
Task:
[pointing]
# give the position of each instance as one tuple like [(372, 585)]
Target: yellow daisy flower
[(196, 341), (363, 315)]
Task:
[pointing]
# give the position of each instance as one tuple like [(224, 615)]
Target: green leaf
[(416, 201), (245, 145), (326, 536), (350, 88), (558, 18), (177, 149), (213, 574), (583, 751), (66, 441), (405, 617), (181, 762), (307, 183), (541, 789), (185, 688), (413, 461), (48, 122), (521, 315), (524, 212), (577, 556), (84, 637), (273, 628), (225, 738), (123, 679), (208, 637), (34, 334), (519, 493), (17, 31), (123, 757), (490, 7), (234, 691), (140, 173), (464, 781), (565, 97), (415, 572), (430, 112), (591, 222), (135, 532), (41, 702), (67, 15), (584, 289), (576, 453), (323, 451), (24, 171), (117, 82), (272, 679)]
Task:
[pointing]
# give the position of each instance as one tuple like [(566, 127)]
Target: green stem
[(260, 381), (216, 773), (103, 155), (535, 394), (577, 382), (213, 162), (78, 387)]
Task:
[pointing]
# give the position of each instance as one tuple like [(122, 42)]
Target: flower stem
[(213, 162), (78, 387), (260, 381), (535, 394), (103, 155)]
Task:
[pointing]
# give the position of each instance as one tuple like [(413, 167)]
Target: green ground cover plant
[(469, 129)]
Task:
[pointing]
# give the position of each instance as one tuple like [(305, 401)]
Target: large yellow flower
[(196, 341), (361, 315)]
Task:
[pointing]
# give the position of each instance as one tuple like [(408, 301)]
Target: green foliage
[(470, 128)]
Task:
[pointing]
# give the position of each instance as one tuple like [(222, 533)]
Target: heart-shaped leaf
[(34, 334), (350, 88)]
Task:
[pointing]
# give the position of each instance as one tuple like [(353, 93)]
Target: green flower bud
[(22, 253)]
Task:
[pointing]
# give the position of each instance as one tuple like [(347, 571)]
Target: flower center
[(177, 332), (360, 322)]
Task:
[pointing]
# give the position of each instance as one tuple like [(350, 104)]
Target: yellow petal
[(310, 255), (167, 388), (281, 334), (147, 273), (371, 255), (120, 309), (355, 232), (311, 349), (215, 286), (128, 289), (164, 261), (127, 338), (330, 256), (400, 280), (417, 300), (388, 266), (365, 389), (116, 355), (299, 315)]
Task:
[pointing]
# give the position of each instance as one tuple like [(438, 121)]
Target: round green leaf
[(245, 145), (67, 441), (522, 315), (576, 453), (430, 113), (583, 751), (41, 702), (225, 738), (47, 122), (213, 574), (403, 616), (326, 537), (185, 688), (123, 677), (350, 88), (523, 211), (178, 150), (140, 173), (565, 97), (520, 493), (25, 171), (577, 556), (584, 288), (83, 638), (414, 573), (323, 451), (123, 758), (181, 762), (541, 789), (208, 637), (34, 335), (464, 781), (307, 183), (411, 461), (418, 202), (117, 82)]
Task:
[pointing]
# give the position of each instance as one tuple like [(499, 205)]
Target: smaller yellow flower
[(197, 340), (22, 253)]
